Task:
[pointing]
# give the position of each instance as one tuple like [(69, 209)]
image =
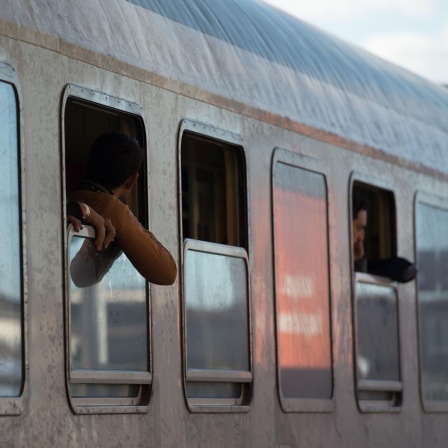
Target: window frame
[(214, 405), (217, 376), (364, 405), (103, 405), (304, 162), (434, 201), (15, 405)]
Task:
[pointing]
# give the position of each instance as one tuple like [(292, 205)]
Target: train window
[(377, 346), (216, 298), (12, 371), (432, 259), (302, 288), (107, 305)]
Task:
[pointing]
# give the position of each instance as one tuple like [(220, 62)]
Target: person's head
[(360, 208), (115, 160)]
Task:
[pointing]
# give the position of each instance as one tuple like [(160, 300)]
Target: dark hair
[(358, 203), (113, 158)]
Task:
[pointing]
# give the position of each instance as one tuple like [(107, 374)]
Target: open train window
[(431, 216), (302, 284), (374, 210), (12, 300), (216, 297), (107, 300), (377, 344)]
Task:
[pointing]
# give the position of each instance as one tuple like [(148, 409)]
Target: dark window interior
[(380, 240), (213, 191), (84, 123)]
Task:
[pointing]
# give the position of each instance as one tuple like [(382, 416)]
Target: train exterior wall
[(44, 67)]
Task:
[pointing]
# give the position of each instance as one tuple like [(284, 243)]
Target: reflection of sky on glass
[(225, 277), (9, 198), (119, 273), (10, 287), (377, 335), (108, 310), (432, 228)]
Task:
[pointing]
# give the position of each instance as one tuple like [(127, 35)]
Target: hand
[(105, 231), (77, 225)]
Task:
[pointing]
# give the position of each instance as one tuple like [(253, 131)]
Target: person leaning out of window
[(396, 268)]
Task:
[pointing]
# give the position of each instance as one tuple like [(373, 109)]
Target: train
[(257, 129)]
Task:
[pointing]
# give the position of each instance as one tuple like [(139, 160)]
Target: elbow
[(165, 277)]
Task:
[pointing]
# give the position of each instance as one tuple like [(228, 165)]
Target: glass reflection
[(432, 260), (302, 285), (108, 310), (11, 345), (104, 390), (377, 335), (214, 390), (216, 312)]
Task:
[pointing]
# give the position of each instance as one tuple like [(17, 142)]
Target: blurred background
[(409, 33)]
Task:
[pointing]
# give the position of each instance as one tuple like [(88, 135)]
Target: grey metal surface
[(248, 52), (45, 62)]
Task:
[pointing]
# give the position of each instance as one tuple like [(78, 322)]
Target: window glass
[(377, 338), (108, 310), (217, 322), (11, 339), (202, 389), (108, 323), (302, 283), (132, 392), (216, 311), (432, 259)]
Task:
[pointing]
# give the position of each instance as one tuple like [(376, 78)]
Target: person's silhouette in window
[(395, 268)]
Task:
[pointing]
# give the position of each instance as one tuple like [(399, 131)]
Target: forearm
[(151, 259)]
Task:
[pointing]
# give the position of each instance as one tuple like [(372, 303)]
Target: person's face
[(359, 231)]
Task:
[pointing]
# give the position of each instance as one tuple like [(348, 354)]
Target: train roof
[(250, 54)]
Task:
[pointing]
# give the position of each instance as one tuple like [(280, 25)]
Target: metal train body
[(241, 73)]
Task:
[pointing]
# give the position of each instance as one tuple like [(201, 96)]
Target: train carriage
[(257, 128)]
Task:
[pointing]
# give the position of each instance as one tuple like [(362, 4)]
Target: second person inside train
[(112, 171), (396, 268)]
